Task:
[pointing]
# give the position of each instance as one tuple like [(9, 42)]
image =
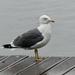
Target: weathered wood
[(41, 66), (71, 72), (19, 66), (62, 67), (24, 65), (7, 62), (2, 57)]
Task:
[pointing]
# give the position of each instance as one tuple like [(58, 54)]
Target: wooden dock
[(25, 65)]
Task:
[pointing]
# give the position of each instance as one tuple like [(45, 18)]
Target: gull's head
[(45, 19)]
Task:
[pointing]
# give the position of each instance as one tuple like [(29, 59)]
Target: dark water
[(18, 16)]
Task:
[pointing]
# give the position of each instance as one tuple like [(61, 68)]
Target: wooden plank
[(72, 72), (2, 57), (9, 61), (39, 68), (69, 71), (24, 65), (62, 67), (19, 66)]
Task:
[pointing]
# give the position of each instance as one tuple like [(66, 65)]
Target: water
[(18, 16)]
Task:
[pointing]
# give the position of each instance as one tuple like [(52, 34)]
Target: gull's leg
[(37, 58)]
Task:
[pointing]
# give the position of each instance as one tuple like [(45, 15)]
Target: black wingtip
[(7, 46)]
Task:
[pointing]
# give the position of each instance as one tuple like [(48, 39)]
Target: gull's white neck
[(45, 28)]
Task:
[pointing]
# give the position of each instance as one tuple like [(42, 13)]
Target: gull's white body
[(46, 31)]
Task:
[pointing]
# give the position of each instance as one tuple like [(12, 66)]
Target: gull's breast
[(46, 33)]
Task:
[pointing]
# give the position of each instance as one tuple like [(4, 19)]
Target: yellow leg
[(37, 58)]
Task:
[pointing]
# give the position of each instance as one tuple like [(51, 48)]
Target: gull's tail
[(7, 46)]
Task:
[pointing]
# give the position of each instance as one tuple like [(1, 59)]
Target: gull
[(34, 38)]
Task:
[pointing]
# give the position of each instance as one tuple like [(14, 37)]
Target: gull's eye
[(45, 18)]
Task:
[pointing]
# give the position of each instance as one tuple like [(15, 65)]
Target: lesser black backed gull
[(35, 38)]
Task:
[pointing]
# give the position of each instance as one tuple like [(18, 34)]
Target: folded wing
[(28, 39)]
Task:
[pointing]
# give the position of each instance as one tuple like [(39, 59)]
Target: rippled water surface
[(18, 16)]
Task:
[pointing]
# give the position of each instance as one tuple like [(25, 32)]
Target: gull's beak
[(51, 21)]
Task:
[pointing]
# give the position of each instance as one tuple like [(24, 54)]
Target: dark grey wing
[(28, 39)]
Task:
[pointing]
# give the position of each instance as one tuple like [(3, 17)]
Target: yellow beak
[(51, 21)]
